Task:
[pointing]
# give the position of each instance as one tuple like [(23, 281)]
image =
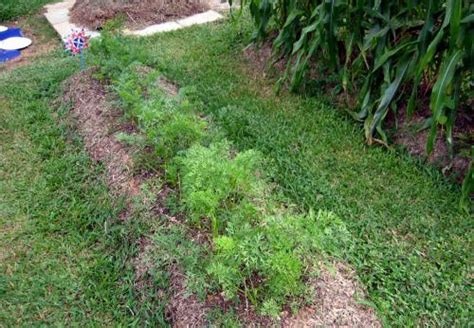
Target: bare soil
[(136, 13), (415, 143), (185, 309), (409, 136), (143, 265), (97, 121), (337, 295)]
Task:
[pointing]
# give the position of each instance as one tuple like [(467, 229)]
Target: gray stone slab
[(206, 17), (68, 4), (158, 28), (57, 16), (64, 29)]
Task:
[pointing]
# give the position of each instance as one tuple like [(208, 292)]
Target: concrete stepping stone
[(206, 17), (57, 16), (158, 28)]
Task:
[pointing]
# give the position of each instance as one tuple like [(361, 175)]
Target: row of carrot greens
[(261, 246)]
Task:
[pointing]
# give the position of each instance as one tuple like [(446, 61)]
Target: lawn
[(63, 254), (12, 9), (410, 245)]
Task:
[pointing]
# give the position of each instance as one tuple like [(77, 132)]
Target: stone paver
[(206, 17), (57, 16), (63, 29), (158, 28)]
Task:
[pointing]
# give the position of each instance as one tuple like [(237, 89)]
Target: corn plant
[(381, 50)]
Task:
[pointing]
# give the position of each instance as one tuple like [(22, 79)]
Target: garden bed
[(321, 162), (137, 14), (331, 296)]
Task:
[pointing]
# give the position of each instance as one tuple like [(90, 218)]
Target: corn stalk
[(381, 50)]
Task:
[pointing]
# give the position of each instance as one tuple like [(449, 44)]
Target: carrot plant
[(261, 249), (169, 124), (214, 185)]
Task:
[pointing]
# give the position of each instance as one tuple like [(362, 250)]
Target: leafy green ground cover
[(410, 240)]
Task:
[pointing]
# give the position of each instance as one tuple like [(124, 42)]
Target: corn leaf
[(441, 97), (387, 97)]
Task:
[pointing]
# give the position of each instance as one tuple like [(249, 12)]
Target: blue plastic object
[(6, 55), (10, 33)]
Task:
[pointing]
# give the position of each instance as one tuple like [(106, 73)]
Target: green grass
[(411, 245), (51, 202), (11, 9), (39, 25), (64, 256)]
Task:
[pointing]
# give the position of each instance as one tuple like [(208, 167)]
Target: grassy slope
[(58, 264), (410, 241), (11, 9)]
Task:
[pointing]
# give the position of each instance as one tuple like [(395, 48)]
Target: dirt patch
[(136, 13), (415, 143), (96, 121), (410, 136), (336, 295), (143, 267), (245, 312), (260, 56), (185, 310), (167, 86)]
